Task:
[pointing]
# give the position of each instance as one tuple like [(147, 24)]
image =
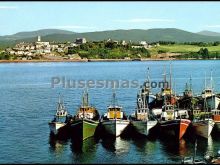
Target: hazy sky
[(97, 16)]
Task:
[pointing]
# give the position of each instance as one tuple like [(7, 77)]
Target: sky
[(99, 16)]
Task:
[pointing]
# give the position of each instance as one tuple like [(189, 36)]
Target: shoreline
[(98, 60)]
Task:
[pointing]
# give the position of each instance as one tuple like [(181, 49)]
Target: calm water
[(28, 102)]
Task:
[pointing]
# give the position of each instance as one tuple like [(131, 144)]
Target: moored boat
[(85, 122), (114, 121), (203, 125), (143, 121), (60, 119), (172, 123)]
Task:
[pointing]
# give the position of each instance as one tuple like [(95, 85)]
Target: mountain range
[(149, 35), (208, 33)]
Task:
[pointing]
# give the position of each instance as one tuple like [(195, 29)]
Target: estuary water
[(29, 99)]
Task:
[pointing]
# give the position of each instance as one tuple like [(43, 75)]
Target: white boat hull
[(144, 127), (55, 127), (115, 127), (204, 127)]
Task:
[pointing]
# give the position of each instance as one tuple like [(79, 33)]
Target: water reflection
[(57, 144), (175, 149), (84, 151), (116, 145), (145, 145)]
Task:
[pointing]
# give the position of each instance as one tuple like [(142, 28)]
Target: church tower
[(39, 39)]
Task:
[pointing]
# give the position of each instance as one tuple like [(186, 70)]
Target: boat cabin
[(166, 91), (207, 93), (61, 113), (87, 112), (141, 114), (168, 112), (114, 112)]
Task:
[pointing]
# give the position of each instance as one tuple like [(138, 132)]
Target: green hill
[(209, 33), (135, 35), (43, 32)]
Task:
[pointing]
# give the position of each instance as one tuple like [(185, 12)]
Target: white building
[(143, 43), (80, 41)]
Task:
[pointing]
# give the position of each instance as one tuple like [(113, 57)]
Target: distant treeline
[(201, 44), (203, 53)]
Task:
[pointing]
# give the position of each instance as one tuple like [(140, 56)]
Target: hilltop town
[(44, 50), (108, 50)]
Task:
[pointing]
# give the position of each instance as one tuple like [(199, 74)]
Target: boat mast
[(212, 90), (165, 76), (87, 97), (60, 102), (170, 79), (165, 84), (84, 101), (113, 101), (190, 83), (148, 77), (205, 80), (205, 103)]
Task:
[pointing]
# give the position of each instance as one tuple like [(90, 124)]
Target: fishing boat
[(114, 121), (213, 103), (143, 121), (85, 122), (166, 92), (60, 118), (203, 125), (173, 122)]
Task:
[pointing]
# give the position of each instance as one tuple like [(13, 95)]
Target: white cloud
[(8, 7), (73, 27), (144, 20), (212, 26)]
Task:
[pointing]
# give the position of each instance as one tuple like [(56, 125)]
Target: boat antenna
[(148, 76), (164, 74), (59, 102), (174, 87), (212, 89), (205, 80), (170, 78), (211, 81), (190, 83), (83, 99), (114, 97), (205, 103), (113, 94), (87, 97), (170, 85)]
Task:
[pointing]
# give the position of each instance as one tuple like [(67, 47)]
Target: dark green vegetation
[(109, 50)]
